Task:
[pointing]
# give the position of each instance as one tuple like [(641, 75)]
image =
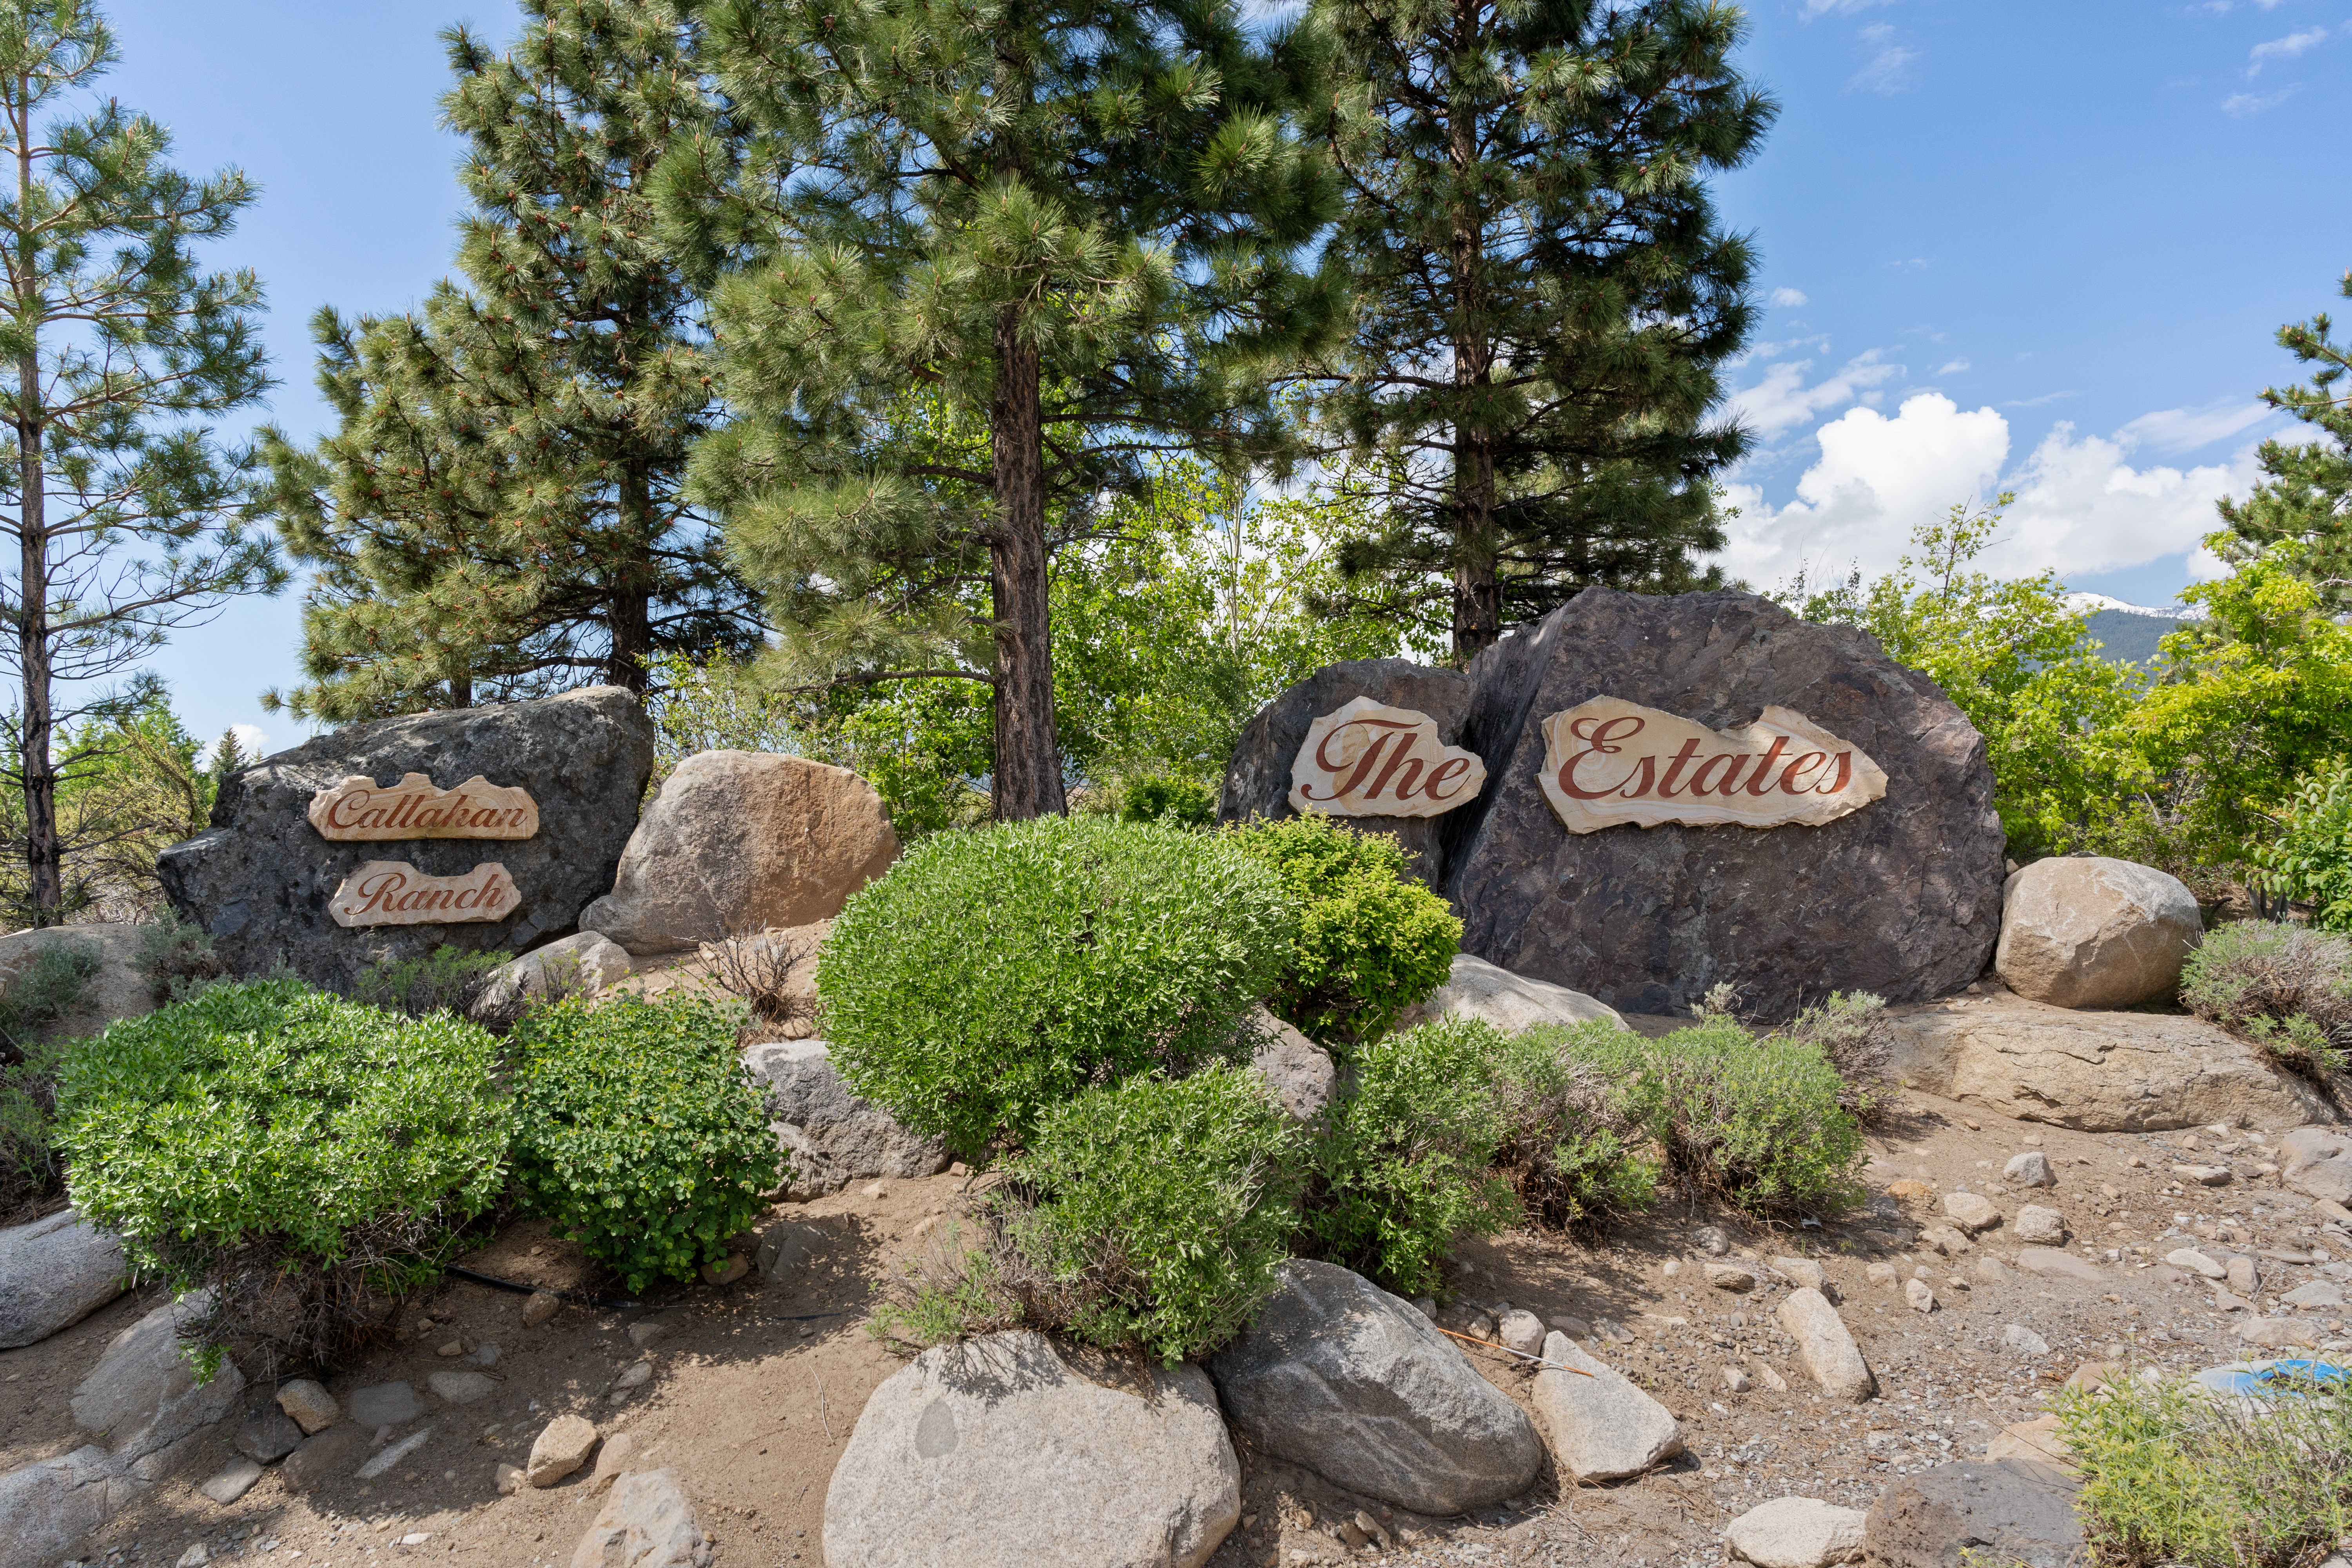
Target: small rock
[(2031, 1169), (2023, 1341), (267, 1434), (508, 1479), (232, 1483), (2043, 1226), (1909, 1188), (2242, 1276), (1736, 1381), (193, 1557), (612, 1460), (1601, 1426), (313, 1409), (2318, 1293), (1972, 1211), (2051, 1260), (1521, 1331), (2277, 1332), (453, 1348), (1881, 1274), (2196, 1262), (635, 1375), (385, 1405), (540, 1307), (1426, 1306), (2203, 1175), (486, 1355), (1921, 1297), (2037, 1440), (1672, 1269), (1825, 1346), (875, 1190), (1991, 1270), (1710, 1240), (1796, 1532), (2225, 1302), (1949, 1241), (563, 1446), (461, 1387), (1768, 1377), (647, 1331), (327, 1458), (727, 1272), (1802, 1271), (1732, 1276), (1574, 1327)]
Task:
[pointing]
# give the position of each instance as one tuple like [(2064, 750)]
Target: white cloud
[(1782, 400), (1911, 264), (2082, 506), (251, 742), (2284, 48), (2245, 103), (1954, 368), (1886, 72), (1838, 7), (2186, 429), (1789, 299)]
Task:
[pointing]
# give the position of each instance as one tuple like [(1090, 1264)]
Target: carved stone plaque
[(1370, 760), (1609, 761), (359, 808), (395, 893)]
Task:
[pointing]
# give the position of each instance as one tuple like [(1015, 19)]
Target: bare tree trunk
[(44, 854), (1478, 592), (1028, 777), (631, 628)]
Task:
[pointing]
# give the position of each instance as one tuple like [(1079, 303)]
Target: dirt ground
[(755, 1386)]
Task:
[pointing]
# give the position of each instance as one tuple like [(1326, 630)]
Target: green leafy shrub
[(446, 980), (639, 1133), (2313, 859), (1148, 1215), (995, 975), (1758, 1122), (1405, 1166), (1186, 803), (2285, 988), (1371, 942), (302, 1156), (1566, 1148), (2171, 1474)]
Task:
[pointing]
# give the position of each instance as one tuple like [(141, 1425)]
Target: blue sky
[(2035, 246)]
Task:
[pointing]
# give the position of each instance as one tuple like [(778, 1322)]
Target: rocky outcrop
[(831, 1136), (46, 1506), (2004, 1510), (742, 841), (1339, 1375), (54, 1273), (2083, 931), (1257, 779), (997, 1453), (2095, 1072), (142, 1397), (260, 880), (1477, 989), (585, 964), (1901, 897), (1299, 1072), (1600, 1426)]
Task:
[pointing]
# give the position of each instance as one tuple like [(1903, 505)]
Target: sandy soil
[(755, 1385)]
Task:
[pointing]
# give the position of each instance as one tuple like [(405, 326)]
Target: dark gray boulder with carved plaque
[(1901, 897), (260, 878), (1257, 779)]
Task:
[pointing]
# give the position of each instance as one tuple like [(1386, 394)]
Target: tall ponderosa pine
[(1544, 295), (500, 513), (127, 515), (2305, 502), (1008, 250)]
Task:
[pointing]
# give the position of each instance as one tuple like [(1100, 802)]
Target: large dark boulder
[(1257, 780), (259, 878), (1901, 897)]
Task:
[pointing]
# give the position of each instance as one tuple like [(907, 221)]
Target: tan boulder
[(743, 841), (2083, 931), (2095, 1072)]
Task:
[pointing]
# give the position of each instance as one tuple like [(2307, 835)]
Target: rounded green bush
[(993, 974), (640, 1135), (265, 1131), (1372, 943)]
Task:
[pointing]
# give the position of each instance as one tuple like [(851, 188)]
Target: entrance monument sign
[(360, 808), (1609, 761), (1369, 759)]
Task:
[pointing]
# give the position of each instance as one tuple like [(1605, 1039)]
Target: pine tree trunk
[(1028, 775), (1478, 592), (43, 856), (632, 628)]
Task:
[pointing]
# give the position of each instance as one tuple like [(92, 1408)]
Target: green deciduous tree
[(127, 514), (501, 512), (1005, 250), (2305, 502), (1544, 295)]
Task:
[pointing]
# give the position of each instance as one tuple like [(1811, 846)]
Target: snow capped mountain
[(2092, 603)]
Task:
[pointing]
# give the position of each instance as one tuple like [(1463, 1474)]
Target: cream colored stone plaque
[(1609, 761), (360, 808), (1372, 760), (395, 893)]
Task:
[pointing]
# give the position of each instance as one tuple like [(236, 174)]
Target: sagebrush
[(2285, 988)]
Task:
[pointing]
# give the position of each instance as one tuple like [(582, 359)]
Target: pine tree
[(2305, 504), (501, 512), (1544, 296), (1009, 250), (127, 513)]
